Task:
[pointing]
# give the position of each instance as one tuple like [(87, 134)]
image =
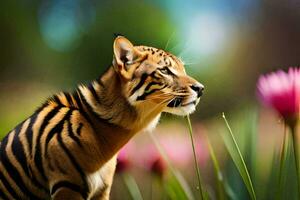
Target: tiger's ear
[(124, 55)]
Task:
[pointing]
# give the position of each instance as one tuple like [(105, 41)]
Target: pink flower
[(122, 162), (177, 147), (147, 158), (175, 142), (281, 91), (123, 159), (158, 166)]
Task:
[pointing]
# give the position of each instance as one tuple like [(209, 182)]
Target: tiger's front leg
[(66, 193), (66, 187), (106, 173), (94, 186)]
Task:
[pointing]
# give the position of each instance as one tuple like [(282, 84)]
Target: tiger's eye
[(164, 71)]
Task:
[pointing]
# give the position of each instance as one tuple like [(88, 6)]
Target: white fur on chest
[(151, 126), (102, 177)]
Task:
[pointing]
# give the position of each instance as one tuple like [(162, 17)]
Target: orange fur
[(69, 145)]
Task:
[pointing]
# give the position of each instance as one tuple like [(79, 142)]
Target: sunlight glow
[(207, 33)]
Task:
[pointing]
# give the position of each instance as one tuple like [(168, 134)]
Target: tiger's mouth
[(178, 101)]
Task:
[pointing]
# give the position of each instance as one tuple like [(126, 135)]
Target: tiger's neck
[(107, 102), (114, 120), (104, 101), (112, 117)]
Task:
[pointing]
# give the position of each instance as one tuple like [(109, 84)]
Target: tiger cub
[(67, 149)]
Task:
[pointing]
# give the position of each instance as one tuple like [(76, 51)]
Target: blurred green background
[(53, 45)]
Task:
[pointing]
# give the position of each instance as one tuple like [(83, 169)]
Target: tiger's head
[(154, 79)]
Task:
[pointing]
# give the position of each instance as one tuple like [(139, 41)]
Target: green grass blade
[(218, 173), (229, 192), (271, 184), (236, 155), (250, 141), (199, 188), (179, 185), (296, 155), (132, 187), (173, 189), (282, 164)]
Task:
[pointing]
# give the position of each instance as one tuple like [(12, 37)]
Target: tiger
[(67, 148)]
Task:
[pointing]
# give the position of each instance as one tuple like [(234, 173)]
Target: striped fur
[(67, 148)]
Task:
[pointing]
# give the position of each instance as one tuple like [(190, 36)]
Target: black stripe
[(151, 84), (140, 84), (84, 192), (91, 110), (68, 185), (155, 75), (94, 93), (143, 96), (78, 101), (57, 100), (8, 187), (13, 172), (72, 135), (37, 155), (69, 98), (29, 134), (57, 129), (18, 152), (78, 130)]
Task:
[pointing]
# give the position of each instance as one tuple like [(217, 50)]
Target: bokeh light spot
[(207, 33), (62, 23)]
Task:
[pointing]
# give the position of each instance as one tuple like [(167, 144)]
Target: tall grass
[(221, 193), (132, 186), (236, 155), (200, 189), (241, 178)]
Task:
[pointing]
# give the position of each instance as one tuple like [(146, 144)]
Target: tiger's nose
[(198, 88)]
